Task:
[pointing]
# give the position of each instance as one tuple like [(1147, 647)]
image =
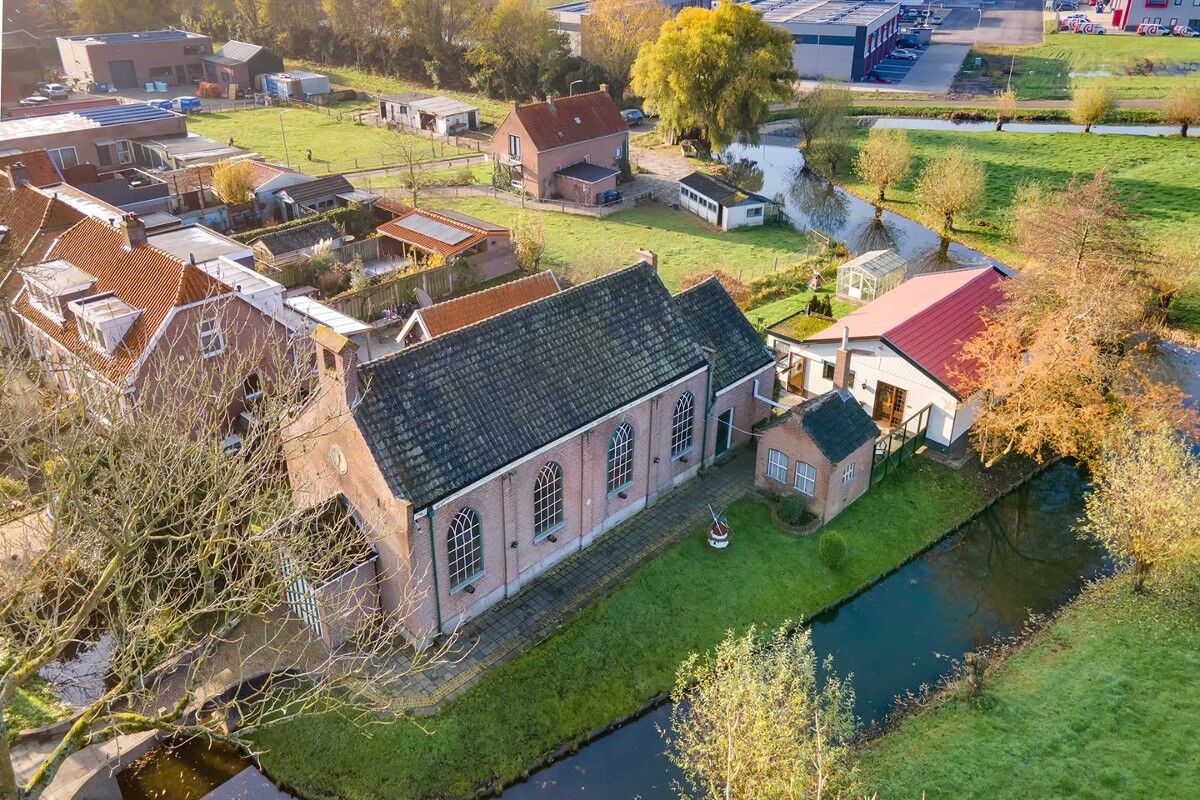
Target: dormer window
[(91, 333), (51, 284), (102, 321), (45, 301)]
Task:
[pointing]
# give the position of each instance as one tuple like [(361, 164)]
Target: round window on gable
[(338, 459)]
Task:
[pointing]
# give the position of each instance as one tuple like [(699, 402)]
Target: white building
[(443, 115), (906, 347), (721, 203)]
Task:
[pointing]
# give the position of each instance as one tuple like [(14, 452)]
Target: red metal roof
[(569, 120), (926, 319)]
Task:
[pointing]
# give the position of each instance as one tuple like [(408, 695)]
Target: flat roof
[(105, 308), (237, 276), (826, 12), (203, 243), (83, 119), (315, 310), (582, 7), (84, 203), (191, 146), (442, 106), (134, 36)]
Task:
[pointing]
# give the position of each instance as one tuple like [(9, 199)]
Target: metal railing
[(899, 444)]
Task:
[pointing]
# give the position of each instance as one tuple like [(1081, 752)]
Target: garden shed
[(870, 275)]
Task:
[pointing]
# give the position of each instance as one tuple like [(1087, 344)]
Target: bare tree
[(1145, 502), (189, 556), (1091, 104), (950, 185), (752, 720), (1182, 108), (884, 161)]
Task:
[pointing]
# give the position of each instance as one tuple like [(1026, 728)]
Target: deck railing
[(899, 444)]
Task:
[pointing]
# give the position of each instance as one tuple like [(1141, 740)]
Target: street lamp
[(977, 24), (571, 88)]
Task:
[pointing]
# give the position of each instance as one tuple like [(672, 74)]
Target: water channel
[(919, 124)]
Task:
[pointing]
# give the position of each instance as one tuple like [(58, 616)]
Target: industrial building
[(835, 39), (131, 60), (569, 18)]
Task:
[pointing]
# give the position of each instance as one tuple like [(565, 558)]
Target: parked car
[(904, 54), (187, 104), (936, 19), (1152, 29), (874, 76), (1091, 27), (632, 116), (55, 91), (908, 42), (1066, 5), (166, 105), (1184, 30), (34, 100)]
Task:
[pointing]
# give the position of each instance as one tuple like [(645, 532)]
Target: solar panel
[(132, 112), (433, 229)]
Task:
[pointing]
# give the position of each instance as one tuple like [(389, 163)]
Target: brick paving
[(512, 626)]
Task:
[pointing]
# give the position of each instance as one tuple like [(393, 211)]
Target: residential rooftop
[(102, 117)]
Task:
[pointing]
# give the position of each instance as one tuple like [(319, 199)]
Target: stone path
[(544, 604)]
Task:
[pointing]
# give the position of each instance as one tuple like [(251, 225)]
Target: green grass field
[(337, 145), (1102, 704), (617, 654), (584, 247), (33, 706), (1050, 71), (448, 176), (776, 311), (1160, 176)]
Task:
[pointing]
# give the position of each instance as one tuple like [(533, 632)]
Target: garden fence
[(394, 295), (899, 445)]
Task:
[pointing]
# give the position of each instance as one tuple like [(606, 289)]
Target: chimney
[(648, 256), (516, 105), (604, 87), (337, 363), (841, 366), (133, 230), (18, 174)]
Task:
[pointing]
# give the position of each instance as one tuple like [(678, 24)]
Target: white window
[(754, 212), (777, 465), (123, 154), (63, 157), (252, 387), (464, 548), (848, 474), (514, 145), (92, 334), (212, 340), (806, 478), (548, 500), (620, 458), (682, 424), (45, 301)]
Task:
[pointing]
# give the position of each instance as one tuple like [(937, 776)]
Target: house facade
[(518, 445), (569, 147), (907, 351), (129, 60)]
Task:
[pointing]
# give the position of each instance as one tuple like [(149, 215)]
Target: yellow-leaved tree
[(615, 30), (233, 182)]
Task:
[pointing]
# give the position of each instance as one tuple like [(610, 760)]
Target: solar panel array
[(131, 112), (433, 229)]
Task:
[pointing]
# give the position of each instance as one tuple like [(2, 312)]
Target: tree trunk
[(999, 124), (1183, 128), (879, 202), (1087, 128), (948, 226), (1140, 569), (8, 779)]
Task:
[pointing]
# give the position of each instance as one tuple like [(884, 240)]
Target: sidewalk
[(509, 628)]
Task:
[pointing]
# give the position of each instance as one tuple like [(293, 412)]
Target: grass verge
[(614, 656), (33, 706), (1101, 704)]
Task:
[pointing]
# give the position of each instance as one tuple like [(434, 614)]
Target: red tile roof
[(39, 166), (34, 220), (145, 277), (569, 120), (478, 230), (926, 319), (469, 309)]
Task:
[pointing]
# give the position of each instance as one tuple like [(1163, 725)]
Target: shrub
[(737, 288), (463, 177), (793, 511), (333, 281), (832, 549), (11, 489)]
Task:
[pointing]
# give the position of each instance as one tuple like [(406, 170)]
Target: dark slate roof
[(588, 173), (447, 412), (721, 326), (321, 188), (719, 191), (289, 240), (837, 424)]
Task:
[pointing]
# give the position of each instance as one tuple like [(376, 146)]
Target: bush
[(11, 489), (832, 550), (463, 177), (738, 291), (793, 511)]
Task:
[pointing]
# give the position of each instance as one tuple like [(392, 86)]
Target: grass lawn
[(623, 650), (1102, 704), (584, 247), (33, 706), (1160, 175), (1044, 72), (776, 311), (480, 173), (490, 111), (335, 143)]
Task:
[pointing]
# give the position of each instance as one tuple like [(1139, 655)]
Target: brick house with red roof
[(107, 315), (907, 350), (568, 147)]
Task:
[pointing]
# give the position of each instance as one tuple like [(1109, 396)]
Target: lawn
[(1160, 176), (446, 176), (337, 145), (1134, 66), (776, 311), (623, 650), (585, 247), (33, 706), (1102, 704)]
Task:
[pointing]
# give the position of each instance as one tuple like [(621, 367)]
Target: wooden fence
[(394, 296)]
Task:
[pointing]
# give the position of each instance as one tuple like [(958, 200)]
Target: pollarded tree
[(1091, 104), (950, 185), (884, 161), (233, 182), (1145, 502), (1006, 107), (715, 71), (614, 31), (822, 110), (1182, 108), (753, 720), (188, 559), (529, 239)]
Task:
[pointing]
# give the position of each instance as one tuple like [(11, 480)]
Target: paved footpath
[(509, 628)]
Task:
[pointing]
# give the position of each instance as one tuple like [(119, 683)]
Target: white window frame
[(55, 155), (619, 459), (93, 334), (124, 153), (848, 474), (464, 549), (514, 146), (547, 501), (805, 481), (777, 465), (210, 330), (255, 394), (683, 424)]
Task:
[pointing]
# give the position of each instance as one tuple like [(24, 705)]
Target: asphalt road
[(1003, 22)]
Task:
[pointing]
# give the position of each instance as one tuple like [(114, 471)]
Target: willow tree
[(1091, 104), (950, 185), (884, 161), (187, 559), (715, 72), (1182, 108)]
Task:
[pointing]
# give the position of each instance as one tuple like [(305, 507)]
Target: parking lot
[(894, 69)]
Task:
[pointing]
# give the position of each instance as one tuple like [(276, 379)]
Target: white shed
[(870, 275), (720, 202), (443, 115)]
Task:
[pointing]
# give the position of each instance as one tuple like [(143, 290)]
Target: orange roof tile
[(478, 230), (39, 166), (469, 309), (34, 220), (569, 120)]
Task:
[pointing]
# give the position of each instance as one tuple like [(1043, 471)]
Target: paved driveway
[(1001, 22), (935, 70)]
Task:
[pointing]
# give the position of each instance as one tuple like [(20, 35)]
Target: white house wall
[(884, 364), (736, 217)]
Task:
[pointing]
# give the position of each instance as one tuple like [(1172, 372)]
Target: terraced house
[(480, 457)]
